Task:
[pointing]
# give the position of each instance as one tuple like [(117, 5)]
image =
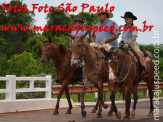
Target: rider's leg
[(140, 55)]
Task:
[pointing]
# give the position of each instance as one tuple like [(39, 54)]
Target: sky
[(149, 10)]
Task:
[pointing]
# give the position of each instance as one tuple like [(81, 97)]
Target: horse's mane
[(62, 48)]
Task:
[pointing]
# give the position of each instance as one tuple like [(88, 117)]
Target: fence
[(78, 88), (11, 89)]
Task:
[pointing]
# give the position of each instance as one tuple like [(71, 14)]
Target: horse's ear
[(49, 39), (42, 40), (83, 35), (71, 36)]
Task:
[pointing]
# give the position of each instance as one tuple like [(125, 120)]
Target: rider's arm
[(133, 39), (111, 38)]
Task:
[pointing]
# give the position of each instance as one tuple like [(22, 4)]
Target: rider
[(129, 39), (78, 22), (105, 37)]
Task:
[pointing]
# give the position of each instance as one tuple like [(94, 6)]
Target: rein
[(80, 58), (121, 72), (48, 58)]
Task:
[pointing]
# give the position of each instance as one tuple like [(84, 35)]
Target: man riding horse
[(106, 37)]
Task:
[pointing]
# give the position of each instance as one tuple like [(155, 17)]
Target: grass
[(90, 97)]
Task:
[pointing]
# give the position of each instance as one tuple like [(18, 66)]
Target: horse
[(148, 78), (95, 67), (65, 72), (122, 74)]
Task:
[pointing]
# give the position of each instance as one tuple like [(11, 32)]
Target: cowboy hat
[(107, 12), (129, 15)]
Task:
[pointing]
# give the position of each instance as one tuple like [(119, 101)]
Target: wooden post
[(105, 96), (79, 97)]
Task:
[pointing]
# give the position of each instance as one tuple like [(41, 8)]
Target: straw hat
[(107, 12)]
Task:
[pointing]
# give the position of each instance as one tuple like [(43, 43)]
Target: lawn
[(90, 97)]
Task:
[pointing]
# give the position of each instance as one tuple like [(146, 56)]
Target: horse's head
[(113, 64), (78, 50), (46, 51)]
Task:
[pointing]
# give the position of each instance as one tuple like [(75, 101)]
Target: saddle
[(104, 48)]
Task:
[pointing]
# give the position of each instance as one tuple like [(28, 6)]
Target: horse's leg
[(150, 88), (128, 100), (64, 84), (110, 113), (135, 95), (95, 108), (86, 85), (112, 98), (69, 100), (100, 98)]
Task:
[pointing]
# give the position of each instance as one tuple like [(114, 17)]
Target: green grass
[(90, 97)]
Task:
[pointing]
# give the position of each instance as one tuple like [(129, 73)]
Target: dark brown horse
[(147, 78), (65, 72), (122, 73), (95, 67)]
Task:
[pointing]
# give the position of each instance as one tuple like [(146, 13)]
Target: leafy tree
[(15, 39), (34, 44), (57, 18)]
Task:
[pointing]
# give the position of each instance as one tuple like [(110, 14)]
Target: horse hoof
[(84, 113), (132, 116), (118, 115), (110, 113), (68, 112), (105, 106), (55, 112), (150, 113), (99, 115), (126, 119), (93, 111)]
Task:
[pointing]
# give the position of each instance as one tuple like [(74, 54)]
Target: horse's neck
[(59, 58), (89, 57)]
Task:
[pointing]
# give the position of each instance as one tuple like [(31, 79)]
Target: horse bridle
[(117, 64), (81, 54), (48, 56)]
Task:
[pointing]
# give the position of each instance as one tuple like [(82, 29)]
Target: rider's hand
[(126, 46), (103, 42)]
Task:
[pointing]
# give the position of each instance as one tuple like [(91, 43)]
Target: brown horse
[(65, 72), (149, 78), (95, 68), (122, 73)]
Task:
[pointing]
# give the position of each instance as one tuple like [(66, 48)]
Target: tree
[(57, 18), (33, 45), (15, 39)]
